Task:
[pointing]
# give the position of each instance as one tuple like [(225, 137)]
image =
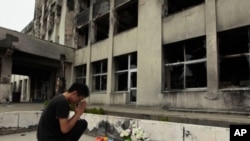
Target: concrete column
[(69, 23), (212, 49), (6, 70), (149, 74), (88, 48), (110, 75)]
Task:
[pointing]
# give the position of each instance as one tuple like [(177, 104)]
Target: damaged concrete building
[(176, 54)]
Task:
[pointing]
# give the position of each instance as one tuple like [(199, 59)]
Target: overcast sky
[(16, 14)]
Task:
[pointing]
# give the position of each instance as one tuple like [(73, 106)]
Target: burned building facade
[(169, 53)]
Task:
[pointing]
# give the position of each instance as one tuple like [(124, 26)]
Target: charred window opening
[(185, 64), (80, 72), (127, 16), (82, 18), (83, 36), (234, 58), (126, 72), (100, 75), (84, 4), (102, 28), (58, 10), (100, 8), (175, 6), (70, 5), (122, 73)]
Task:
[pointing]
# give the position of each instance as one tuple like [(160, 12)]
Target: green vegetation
[(95, 110), (163, 118), (45, 103)]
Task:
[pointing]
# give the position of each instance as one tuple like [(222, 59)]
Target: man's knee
[(82, 123)]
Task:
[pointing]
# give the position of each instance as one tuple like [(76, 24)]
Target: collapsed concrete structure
[(169, 53)]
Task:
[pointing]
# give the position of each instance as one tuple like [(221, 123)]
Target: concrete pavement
[(31, 136)]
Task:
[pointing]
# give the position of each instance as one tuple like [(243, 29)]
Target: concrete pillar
[(69, 23), (6, 71), (110, 75), (149, 74), (88, 49), (212, 50)]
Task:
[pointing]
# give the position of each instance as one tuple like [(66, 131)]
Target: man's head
[(79, 90)]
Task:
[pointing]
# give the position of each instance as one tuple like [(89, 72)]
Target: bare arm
[(67, 124)]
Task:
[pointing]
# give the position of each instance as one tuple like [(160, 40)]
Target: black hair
[(81, 89)]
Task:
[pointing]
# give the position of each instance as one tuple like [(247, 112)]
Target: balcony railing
[(82, 18), (101, 8), (120, 2)]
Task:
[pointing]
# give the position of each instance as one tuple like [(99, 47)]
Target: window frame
[(184, 63), (102, 74), (83, 74), (128, 71)]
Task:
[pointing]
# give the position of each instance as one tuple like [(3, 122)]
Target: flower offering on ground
[(134, 133)]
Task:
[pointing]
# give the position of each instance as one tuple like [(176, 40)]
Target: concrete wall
[(11, 122), (125, 42), (112, 126), (206, 20), (184, 25), (232, 14), (147, 39), (82, 56), (99, 50)]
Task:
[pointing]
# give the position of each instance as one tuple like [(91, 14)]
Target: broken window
[(234, 58), (70, 5), (100, 75), (175, 6), (83, 36), (100, 8), (80, 74), (84, 4), (102, 28), (185, 64), (127, 16), (82, 18), (126, 72)]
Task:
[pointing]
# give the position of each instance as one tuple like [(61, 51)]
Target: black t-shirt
[(48, 126)]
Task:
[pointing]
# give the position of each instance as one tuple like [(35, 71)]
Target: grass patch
[(163, 118), (95, 110)]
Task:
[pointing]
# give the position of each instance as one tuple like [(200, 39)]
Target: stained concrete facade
[(155, 52), (26, 55), (112, 126)]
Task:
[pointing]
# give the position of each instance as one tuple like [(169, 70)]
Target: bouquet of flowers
[(134, 134)]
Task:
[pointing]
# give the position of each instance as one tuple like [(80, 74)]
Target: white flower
[(125, 133), (136, 134), (133, 126)]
